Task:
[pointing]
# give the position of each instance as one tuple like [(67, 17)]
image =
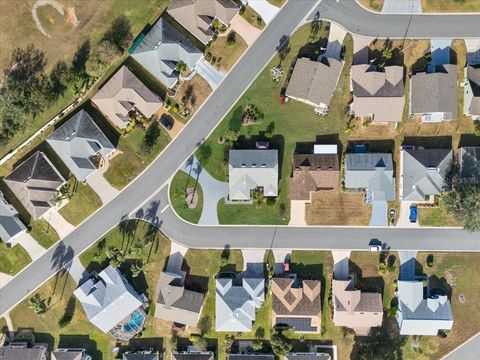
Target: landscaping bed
[(179, 186)]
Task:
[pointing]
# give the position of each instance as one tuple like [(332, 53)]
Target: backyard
[(182, 182)]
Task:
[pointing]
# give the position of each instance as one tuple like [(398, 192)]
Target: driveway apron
[(263, 8), (402, 7), (248, 32), (209, 73), (58, 222), (31, 246)]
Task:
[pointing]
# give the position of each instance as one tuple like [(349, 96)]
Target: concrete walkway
[(31, 246), (175, 260), (213, 190), (77, 271), (248, 32), (340, 264), (402, 7), (335, 41), (58, 222), (263, 8), (209, 73), (4, 279), (102, 187)]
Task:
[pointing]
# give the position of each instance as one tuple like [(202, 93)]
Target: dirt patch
[(193, 92), (72, 17), (192, 198)]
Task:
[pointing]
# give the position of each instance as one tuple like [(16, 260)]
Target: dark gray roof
[(308, 356), (22, 353), (473, 74), (469, 160), (297, 323), (435, 92), (192, 356), (10, 224), (162, 48), (251, 357), (138, 356), (424, 172), (370, 81), (71, 354), (76, 141)]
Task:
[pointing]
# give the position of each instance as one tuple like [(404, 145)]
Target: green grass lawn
[(276, 2), (45, 234), (294, 122), (253, 18), (124, 167), (180, 183), (450, 5), (436, 216), (12, 260), (83, 203)]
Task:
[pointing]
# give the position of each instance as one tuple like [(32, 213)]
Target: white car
[(375, 247)]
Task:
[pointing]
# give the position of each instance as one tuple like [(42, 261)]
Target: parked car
[(167, 121), (375, 247), (286, 266), (413, 213)]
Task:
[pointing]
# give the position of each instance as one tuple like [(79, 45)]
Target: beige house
[(355, 309), (297, 304), (123, 94)]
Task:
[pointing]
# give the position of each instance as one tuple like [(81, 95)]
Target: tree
[(12, 117), (137, 268), (281, 345), (258, 198), (37, 304), (94, 67), (230, 136), (231, 38), (120, 32), (108, 52), (80, 59), (205, 324), (58, 79), (136, 249), (463, 202), (181, 67), (384, 343), (387, 54), (349, 128), (257, 345), (115, 256), (151, 137)]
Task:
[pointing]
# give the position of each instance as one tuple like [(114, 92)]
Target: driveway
[(360, 49), (407, 264), (402, 7), (213, 76), (297, 212), (379, 213), (404, 216), (440, 51), (58, 222), (77, 271), (473, 51), (280, 256), (340, 264), (248, 32), (4, 279), (213, 190), (253, 260), (31, 246), (175, 260), (263, 8), (335, 41), (102, 187)]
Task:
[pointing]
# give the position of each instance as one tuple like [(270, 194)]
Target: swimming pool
[(135, 323)]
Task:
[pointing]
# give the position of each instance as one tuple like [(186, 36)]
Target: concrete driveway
[(209, 73), (379, 213), (253, 262), (102, 187), (280, 256), (213, 190), (248, 32), (4, 279), (31, 246), (404, 216), (335, 41), (402, 6), (473, 51), (77, 271), (58, 222), (340, 264), (263, 8), (297, 212)]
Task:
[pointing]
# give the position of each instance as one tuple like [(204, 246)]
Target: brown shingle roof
[(292, 297)]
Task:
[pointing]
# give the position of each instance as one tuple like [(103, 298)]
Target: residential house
[(315, 172), (141, 355), (378, 94), (433, 95), (469, 162), (354, 308), (11, 227), (197, 16), (314, 82), (418, 314), (162, 49), (175, 303), (252, 169), (373, 173), (125, 96), (296, 303), (35, 182), (24, 350), (70, 354), (308, 356), (81, 145), (112, 305), (251, 356), (192, 354), (472, 92), (423, 172), (236, 301)]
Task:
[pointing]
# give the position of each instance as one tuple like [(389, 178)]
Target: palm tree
[(348, 129), (258, 198), (137, 268), (37, 304), (136, 249)]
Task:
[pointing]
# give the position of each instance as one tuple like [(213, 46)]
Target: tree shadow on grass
[(80, 342), (139, 344)]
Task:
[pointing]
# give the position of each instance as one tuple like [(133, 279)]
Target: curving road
[(205, 120)]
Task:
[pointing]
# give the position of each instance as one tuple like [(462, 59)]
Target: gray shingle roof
[(373, 172), (192, 356), (473, 74), (67, 355), (10, 224), (235, 305), (251, 357), (108, 300), (162, 48), (22, 353), (249, 169), (308, 356), (76, 141), (314, 81), (435, 92), (138, 356), (35, 182), (424, 172)]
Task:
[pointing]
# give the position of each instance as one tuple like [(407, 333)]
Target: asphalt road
[(467, 351), (356, 19), (147, 184)]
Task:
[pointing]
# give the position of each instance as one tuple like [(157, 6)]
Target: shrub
[(381, 268), (257, 345), (208, 56), (430, 260), (231, 38), (281, 345), (271, 201), (242, 10), (281, 209)]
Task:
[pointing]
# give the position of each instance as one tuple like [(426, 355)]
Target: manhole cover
[(461, 298)]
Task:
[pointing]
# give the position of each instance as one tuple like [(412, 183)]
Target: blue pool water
[(136, 320)]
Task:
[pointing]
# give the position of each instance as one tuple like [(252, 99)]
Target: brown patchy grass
[(375, 5), (199, 88), (450, 6), (228, 54), (337, 208), (277, 2), (251, 16), (459, 272)]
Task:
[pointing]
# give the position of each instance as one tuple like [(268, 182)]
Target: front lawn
[(450, 5), (124, 167), (14, 259), (250, 214), (253, 18), (82, 204), (226, 55), (178, 190), (375, 5), (44, 233), (436, 216)]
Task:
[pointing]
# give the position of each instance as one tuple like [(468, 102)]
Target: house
[(378, 94), (142, 355), (314, 82), (35, 182), (11, 227), (162, 49), (197, 16), (236, 303), (433, 95), (22, 351), (111, 304), (70, 354), (192, 354), (123, 97), (418, 314), (296, 303), (252, 169), (423, 172), (81, 145), (373, 173), (469, 162), (308, 356), (355, 309), (251, 356), (472, 92), (315, 172), (175, 303)]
